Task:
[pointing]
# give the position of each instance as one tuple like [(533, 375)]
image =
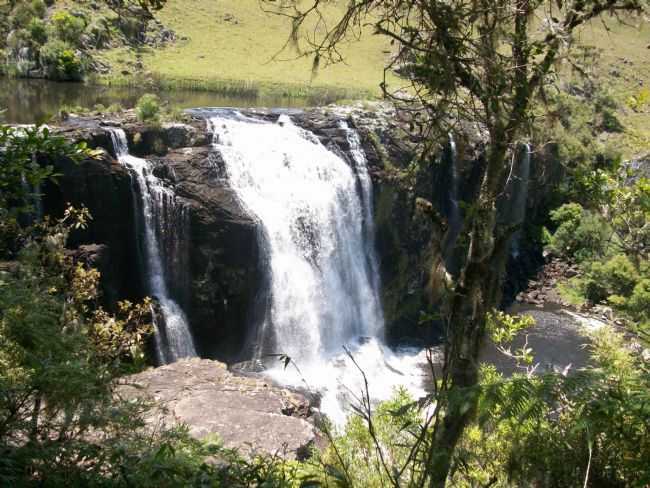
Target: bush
[(26, 11), (148, 108), (580, 234), (639, 302), (37, 31), (615, 277), (61, 62), (67, 27)]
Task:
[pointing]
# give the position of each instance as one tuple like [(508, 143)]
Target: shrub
[(615, 277), (148, 108), (580, 234), (67, 27), (639, 302), (61, 62), (26, 11), (99, 32), (37, 31)]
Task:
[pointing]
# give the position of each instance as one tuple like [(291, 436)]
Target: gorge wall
[(218, 279)]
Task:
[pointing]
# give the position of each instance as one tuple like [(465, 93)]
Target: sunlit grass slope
[(625, 70), (236, 40), (229, 45)]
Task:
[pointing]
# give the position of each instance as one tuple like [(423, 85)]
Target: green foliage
[(25, 11), (37, 31), (352, 460), (62, 421), (21, 172), (615, 276), (589, 428), (148, 108), (628, 209), (503, 327), (612, 246), (639, 302), (580, 234), (61, 62), (586, 429), (639, 101), (55, 374), (67, 27)]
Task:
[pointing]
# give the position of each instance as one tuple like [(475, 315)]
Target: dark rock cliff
[(218, 279)]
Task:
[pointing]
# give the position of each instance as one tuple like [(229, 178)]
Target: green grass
[(625, 68), (228, 47), (569, 292), (213, 52)]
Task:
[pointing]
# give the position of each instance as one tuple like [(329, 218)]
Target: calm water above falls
[(36, 101), (316, 214)]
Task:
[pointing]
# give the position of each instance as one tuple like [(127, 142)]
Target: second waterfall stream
[(315, 212), (158, 208)]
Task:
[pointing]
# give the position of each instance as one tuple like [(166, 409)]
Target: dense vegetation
[(63, 422), (63, 41)]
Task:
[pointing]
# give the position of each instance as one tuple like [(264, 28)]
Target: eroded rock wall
[(220, 283)]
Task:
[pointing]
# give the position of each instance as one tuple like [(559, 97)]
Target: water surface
[(36, 101)]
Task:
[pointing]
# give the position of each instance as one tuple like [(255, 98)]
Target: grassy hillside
[(235, 41), (624, 68), (230, 44)]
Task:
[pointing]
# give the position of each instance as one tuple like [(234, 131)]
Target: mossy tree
[(482, 62)]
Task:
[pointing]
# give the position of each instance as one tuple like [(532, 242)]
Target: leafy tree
[(481, 62), (21, 176), (580, 234), (628, 209)]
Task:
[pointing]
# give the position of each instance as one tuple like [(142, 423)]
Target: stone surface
[(559, 341), (221, 288), (104, 187), (242, 411), (225, 276)]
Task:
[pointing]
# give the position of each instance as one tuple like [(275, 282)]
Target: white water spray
[(316, 213), (518, 192), (173, 338)]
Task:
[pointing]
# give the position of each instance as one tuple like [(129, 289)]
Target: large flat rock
[(247, 413)]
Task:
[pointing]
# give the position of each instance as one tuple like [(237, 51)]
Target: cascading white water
[(454, 218), (316, 213), (173, 338), (519, 193)]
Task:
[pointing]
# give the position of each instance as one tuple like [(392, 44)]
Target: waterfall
[(318, 236), (160, 218), (518, 193), (454, 217)]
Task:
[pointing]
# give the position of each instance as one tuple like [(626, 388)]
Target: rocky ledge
[(246, 413)]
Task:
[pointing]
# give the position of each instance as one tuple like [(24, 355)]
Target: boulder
[(246, 413)]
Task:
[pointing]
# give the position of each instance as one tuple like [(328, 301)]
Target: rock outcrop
[(217, 277), (104, 187), (246, 413), (220, 279)]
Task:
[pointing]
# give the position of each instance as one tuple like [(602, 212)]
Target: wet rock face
[(224, 275), (217, 279), (243, 411), (221, 281), (220, 285), (145, 141), (104, 187)]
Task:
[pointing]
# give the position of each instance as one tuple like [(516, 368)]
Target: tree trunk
[(477, 292)]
